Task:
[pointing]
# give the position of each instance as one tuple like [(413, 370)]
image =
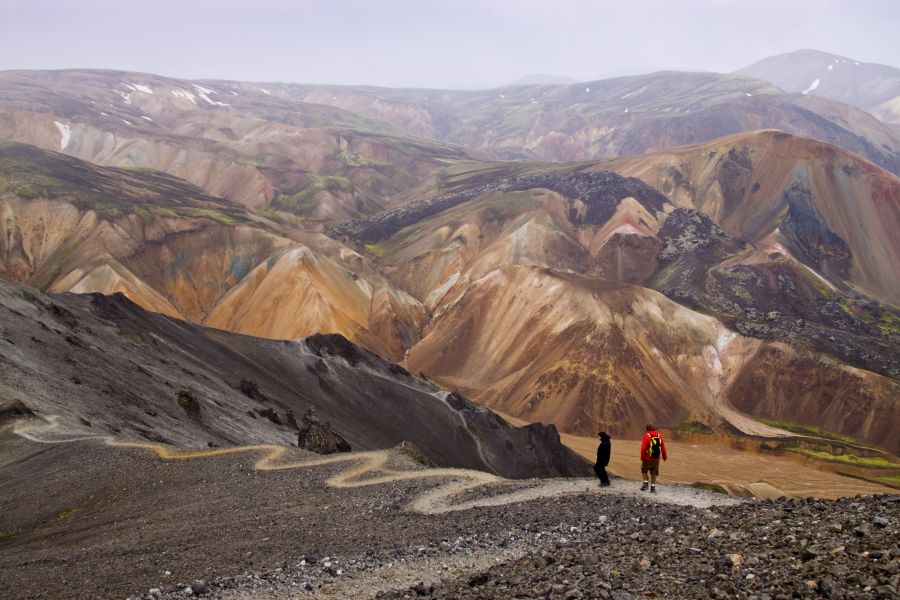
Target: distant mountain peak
[(872, 87)]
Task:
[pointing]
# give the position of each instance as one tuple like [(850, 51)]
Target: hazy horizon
[(461, 44)]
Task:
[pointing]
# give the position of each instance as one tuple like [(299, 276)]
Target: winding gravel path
[(372, 468)]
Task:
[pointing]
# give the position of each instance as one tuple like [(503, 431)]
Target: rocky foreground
[(615, 547)]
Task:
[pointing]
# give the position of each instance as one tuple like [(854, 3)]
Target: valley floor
[(743, 473)]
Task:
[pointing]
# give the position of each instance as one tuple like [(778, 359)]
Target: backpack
[(655, 446)]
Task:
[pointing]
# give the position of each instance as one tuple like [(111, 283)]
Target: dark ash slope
[(104, 366)]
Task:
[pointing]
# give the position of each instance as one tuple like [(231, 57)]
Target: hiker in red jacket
[(652, 449)]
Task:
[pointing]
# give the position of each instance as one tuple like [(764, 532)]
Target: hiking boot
[(652, 489), (644, 487), (604, 484)]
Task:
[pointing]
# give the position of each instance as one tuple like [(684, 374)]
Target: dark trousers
[(600, 470)]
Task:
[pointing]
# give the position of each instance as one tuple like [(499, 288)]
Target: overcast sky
[(425, 43)]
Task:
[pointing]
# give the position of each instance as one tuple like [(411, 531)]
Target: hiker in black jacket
[(603, 451)]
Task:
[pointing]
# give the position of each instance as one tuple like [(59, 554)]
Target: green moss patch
[(67, 513), (807, 430), (188, 401), (375, 249), (851, 459)]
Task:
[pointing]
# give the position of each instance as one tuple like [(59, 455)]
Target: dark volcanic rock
[(251, 389), (319, 437), (687, 231), (600, 191), (810, 236), (332, 344), (14, 410), (781, 299)]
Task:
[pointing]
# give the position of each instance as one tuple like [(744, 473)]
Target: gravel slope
[(77, 523)]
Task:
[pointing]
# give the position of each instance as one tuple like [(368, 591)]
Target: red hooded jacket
[(645, 446)]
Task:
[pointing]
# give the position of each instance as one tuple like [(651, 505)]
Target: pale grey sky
[(429, 43)]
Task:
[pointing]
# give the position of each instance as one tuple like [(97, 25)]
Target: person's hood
[(604, 436)]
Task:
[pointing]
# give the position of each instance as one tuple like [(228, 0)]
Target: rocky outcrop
[(319, 437), (774, 300)]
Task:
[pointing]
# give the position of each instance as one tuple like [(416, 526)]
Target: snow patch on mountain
[(185, 94), (210, 101), (812, 86), (265, 91), (126, 96), (146, 89), (65, 133)]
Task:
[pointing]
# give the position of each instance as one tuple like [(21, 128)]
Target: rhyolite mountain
[(872, 87), (752, 275), (325, 154), (544, 287), (611, 117), (70, 226), (240, 141)]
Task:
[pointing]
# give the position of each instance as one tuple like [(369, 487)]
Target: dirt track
[(373, 468), (85, 519)]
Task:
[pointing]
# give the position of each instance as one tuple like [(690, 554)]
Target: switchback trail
[(371, 468)]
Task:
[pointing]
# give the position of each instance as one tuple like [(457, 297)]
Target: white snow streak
[(812, 86), (204, 90), (143, 88), (626, 110), (125, 96), (65, 134), (266, 92), (184, 94), (209, 100), (127, 122), (830, 67), (628, 94), (587, 89), (146, 118)]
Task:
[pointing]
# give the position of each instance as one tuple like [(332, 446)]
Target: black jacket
[(603, 451)]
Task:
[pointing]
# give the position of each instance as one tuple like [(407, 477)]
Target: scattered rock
[(319, 437), (251, 389)]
